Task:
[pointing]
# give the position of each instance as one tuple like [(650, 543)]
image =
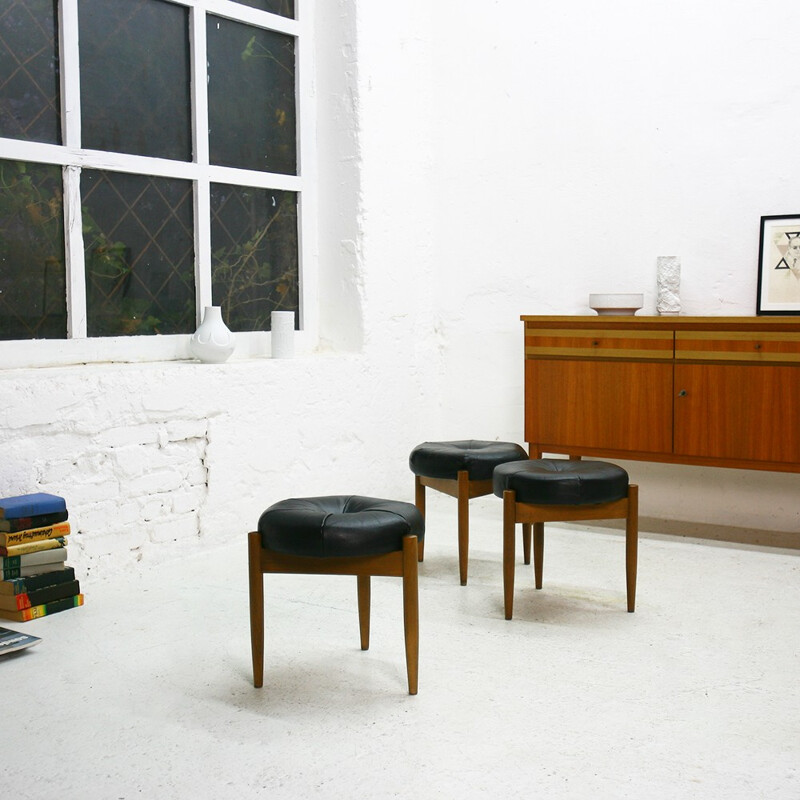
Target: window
[(150, 167)]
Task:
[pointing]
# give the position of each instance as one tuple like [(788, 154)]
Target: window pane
[(254, 254), (29, 82), (251, 105), (283, 7), (135, 77), (32, 274), (137, 234)]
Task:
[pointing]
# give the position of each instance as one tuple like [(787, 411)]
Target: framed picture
[(779, 265)]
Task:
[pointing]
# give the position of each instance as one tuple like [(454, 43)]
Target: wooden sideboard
[(712, 391)]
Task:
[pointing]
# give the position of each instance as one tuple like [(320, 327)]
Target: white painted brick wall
[(170, 458)]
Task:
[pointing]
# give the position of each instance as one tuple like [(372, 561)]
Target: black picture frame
[(779, 265)]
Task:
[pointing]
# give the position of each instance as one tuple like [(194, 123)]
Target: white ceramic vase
[(212, 342), (668, 279)]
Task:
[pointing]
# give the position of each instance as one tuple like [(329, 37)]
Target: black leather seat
[(339, 525), (550, 481), (462, 469), (338, 535), (542, 490), (478, 458)]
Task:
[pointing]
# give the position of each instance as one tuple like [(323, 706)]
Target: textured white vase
[(668, 280), (212, 342)]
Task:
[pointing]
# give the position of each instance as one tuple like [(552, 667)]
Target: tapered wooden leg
[(632, 544), (419, 502), (411, 610), (463, 525), (509, 523), (256, 607), (538, 552), (363, 609), (526, 542)]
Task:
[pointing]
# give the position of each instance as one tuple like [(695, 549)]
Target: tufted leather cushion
[(547, 481), (339, 525), (447, 459)]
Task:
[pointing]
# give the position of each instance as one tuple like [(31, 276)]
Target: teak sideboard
[(712, 391)]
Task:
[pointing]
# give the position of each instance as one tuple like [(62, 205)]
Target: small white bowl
[(619, 304)]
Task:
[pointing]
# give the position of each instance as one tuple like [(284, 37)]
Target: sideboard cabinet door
[(609, 405), (738, 412)]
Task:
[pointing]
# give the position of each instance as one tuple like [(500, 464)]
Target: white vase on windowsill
[(212, 342)]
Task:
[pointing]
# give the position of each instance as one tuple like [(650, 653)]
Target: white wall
[(477, 161), (556, 149)]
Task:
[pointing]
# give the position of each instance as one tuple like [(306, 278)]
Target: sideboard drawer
[(754, 347), (598, 343)]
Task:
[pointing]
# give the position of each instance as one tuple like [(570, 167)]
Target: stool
[(338, 535), (550, 490), (463, 470)]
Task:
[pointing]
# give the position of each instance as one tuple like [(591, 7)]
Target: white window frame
[(77, 348)]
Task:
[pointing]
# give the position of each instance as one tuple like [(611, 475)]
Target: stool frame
[(463, 489), (535, 515), (400, 563)]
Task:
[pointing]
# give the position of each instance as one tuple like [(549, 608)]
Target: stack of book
[(34, 577)]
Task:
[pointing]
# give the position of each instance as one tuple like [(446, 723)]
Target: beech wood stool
[(338, 535), (461, 469), (559, 490)]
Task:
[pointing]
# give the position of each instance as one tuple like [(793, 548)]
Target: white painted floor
[(146, 691)]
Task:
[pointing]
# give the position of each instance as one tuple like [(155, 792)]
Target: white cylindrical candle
[(282, 327)]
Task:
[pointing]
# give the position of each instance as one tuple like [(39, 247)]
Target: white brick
[(153, 483), (85, 494), (55, 472), (187, 501), (174, 528), (98, 518), (154, 507), (135, 461), (187, 451), (135, 434), (164, 401), (178, 430), (131, 462), (196, 475), (114, 540)]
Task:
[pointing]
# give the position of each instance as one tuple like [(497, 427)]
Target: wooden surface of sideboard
[(711, 391)]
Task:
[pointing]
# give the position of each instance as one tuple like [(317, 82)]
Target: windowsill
[(141, 350)]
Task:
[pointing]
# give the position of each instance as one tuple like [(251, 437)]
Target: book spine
[(15, 602), (35, 534), (23, 523), (33, 547), (44, 610), (30, 571), (40, 597), (31, 505), (34, 582), (29, 559), (11, 586)]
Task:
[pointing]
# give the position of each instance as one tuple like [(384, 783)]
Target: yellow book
[(33, 547), (34, 534)]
